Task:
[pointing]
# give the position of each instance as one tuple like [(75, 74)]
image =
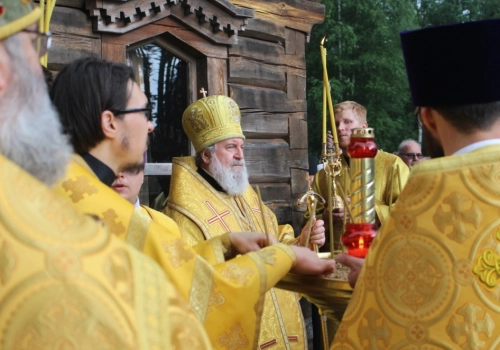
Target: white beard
[(30, 130), (233, 180)]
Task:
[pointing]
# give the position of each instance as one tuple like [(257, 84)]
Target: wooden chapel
[(252, 51)]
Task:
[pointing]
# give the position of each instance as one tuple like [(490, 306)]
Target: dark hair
[(198, 157), (473, 117), (49, 77), (82, 91)]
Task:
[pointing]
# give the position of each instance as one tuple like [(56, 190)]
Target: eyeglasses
[(147, 112), (412, 155), (133, 169), (42, 42)]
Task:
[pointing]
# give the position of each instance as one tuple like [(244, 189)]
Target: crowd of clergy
[(83, 265)]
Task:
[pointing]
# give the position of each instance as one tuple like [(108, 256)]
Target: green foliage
[(432, 12), (365, 62)]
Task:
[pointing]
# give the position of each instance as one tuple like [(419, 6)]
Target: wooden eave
[(296, 14), (217, 20)]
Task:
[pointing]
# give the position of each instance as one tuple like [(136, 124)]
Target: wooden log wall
[(265, 72), (267, 78)]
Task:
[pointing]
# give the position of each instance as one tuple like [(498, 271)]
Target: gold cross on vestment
[(203, 92)]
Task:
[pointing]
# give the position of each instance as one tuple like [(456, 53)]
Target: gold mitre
[(210, 120)]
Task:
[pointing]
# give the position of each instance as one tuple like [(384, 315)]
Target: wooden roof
[(217, 20)]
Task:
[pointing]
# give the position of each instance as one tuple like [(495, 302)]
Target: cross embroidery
[(113, 222), (79, 188), (462, 212), (470, 327), (374, 329), (257, 207), (218, 216)]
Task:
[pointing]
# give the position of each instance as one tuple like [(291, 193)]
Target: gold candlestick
[(312, 199), (326, 86), (261, 205)]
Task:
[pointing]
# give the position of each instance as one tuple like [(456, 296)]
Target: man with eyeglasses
[(431, 279), (66, 281), (106, 117), (410, 152)]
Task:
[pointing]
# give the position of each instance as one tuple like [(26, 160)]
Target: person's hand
[(317, 234), (337, 214), (308, 263), (354, 263), (329, 140), (245, 242)]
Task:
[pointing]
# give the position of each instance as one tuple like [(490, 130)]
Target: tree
[(365, 64), (433, 13)]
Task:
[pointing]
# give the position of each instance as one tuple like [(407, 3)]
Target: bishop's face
[(230, 153), (227, 166)]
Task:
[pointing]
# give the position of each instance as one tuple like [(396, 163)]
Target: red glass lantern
[(359, 234), (357, 238)]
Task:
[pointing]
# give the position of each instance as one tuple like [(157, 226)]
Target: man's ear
[(428, 118), (109, 124), (205, 157)]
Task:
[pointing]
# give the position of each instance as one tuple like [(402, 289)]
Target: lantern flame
[(323, 40), (361, 243)]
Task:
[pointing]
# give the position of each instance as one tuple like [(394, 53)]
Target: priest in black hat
[(432, 277)]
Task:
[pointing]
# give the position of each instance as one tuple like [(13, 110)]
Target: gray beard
[(30, 130), (234, 182)]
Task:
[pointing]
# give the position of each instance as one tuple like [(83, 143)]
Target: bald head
[(410, 152)]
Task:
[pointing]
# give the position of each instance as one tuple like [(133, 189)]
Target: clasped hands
[(307, 262)]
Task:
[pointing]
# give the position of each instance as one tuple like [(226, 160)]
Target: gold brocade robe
[(214, 288), (67, 283), (431, 277), (384, 163), (202, 212)]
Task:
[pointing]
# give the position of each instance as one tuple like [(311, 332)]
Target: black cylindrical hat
[(454, 64)]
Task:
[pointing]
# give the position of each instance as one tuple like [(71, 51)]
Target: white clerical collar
[(137, 203), (476, 145)]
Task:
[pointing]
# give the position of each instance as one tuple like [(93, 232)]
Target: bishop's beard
[(233, 180)]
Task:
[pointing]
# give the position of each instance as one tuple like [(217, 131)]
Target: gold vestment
[(202, 212), (431, 277), (384, 163), (214, 288), (67, 283)]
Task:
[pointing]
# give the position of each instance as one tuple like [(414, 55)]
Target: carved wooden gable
[(217, 20)]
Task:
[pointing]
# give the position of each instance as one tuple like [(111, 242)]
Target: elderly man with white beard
[(210, 196), (66, 282)]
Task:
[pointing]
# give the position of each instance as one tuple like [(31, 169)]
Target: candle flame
[(361, 243), (323, 40)]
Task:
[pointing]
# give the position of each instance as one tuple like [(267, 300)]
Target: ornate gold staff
[(261, 205), (331, 158), (312, 199)]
